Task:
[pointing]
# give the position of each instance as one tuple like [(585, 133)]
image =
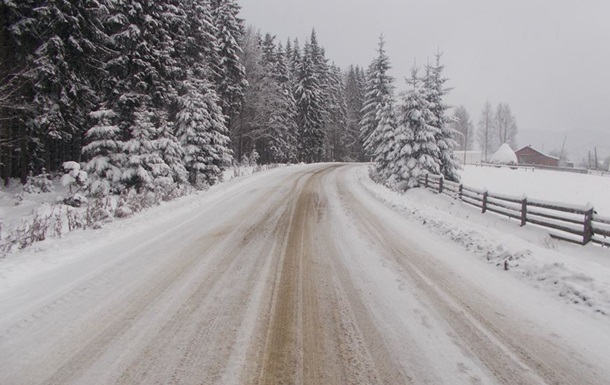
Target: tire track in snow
[(318, 334), (86, 342)]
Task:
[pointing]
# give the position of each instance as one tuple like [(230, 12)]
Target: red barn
[(527, 155)]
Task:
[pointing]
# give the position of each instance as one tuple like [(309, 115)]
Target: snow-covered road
[(295, 276)]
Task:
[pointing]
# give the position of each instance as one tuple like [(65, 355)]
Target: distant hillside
[(578, 143)]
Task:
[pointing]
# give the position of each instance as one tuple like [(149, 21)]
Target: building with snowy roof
[(527, 155)]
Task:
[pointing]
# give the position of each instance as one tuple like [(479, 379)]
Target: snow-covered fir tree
[(378, 86), (172, 153), (284, 119), (354, 95), (383, 143), (104, 151), (309, 96), (144, 168), (435, 91), (336, 127), (64, 72), (201, 129), (416, 146), (139, 83), (231, 78)]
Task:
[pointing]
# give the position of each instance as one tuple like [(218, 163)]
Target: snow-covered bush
[(18, 198), (74, 177), (98, 212), (75, 220), (28, 233), (40, 183), (76, 180), (254, 157), (75, 200)]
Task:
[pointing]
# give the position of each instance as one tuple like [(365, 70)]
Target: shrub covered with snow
[(76, 180), (37, 184)]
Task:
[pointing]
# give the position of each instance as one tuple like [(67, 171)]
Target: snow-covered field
[(562, 187)]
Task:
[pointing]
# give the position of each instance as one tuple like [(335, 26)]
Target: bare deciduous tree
[(506, 125), (485, 134), (463, 125)]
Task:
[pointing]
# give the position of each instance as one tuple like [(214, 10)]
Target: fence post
[(460, 192), (440, 185), (523, 211), (426, 182), (588, 230), (484, 208)]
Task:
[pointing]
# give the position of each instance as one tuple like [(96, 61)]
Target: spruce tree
[(354, 94), (435, 90), (144, 168), (65, 74), (379, 85), (284, 118), (310, 112), (415, 151), (172, 153), (201, 129), (231, 78), (104, 151), (383, 142), (336, 134)]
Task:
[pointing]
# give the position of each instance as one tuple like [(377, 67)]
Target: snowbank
[(579, 275)]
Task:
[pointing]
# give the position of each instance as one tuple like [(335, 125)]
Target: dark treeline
[(167, 93), (297, 105), (139, 91), (143, 93)]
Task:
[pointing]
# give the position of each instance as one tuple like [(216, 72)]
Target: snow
[(556, 291), (542, 185), (504, 155), (579, 275)]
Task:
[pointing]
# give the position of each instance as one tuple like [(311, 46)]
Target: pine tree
[(284, 118), (172, 153), (416, 150), (104, 153), (65, 75), (231, 79), (354, 94), (139, 84), (49, 73), (143, 167), (383, 143), (309, 97), (201, 129), (379, 85), (337, 117), (435, 90)]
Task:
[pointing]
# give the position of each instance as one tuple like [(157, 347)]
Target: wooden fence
[(577, 224)]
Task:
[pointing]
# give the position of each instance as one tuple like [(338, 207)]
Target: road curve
[(291, 279)]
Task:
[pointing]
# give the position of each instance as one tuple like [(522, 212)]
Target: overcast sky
[(548, 59)]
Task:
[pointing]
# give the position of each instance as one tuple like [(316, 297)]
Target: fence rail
[(572, 223)]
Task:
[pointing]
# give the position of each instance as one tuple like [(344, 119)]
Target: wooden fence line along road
[(576, 224), (534, 167)]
